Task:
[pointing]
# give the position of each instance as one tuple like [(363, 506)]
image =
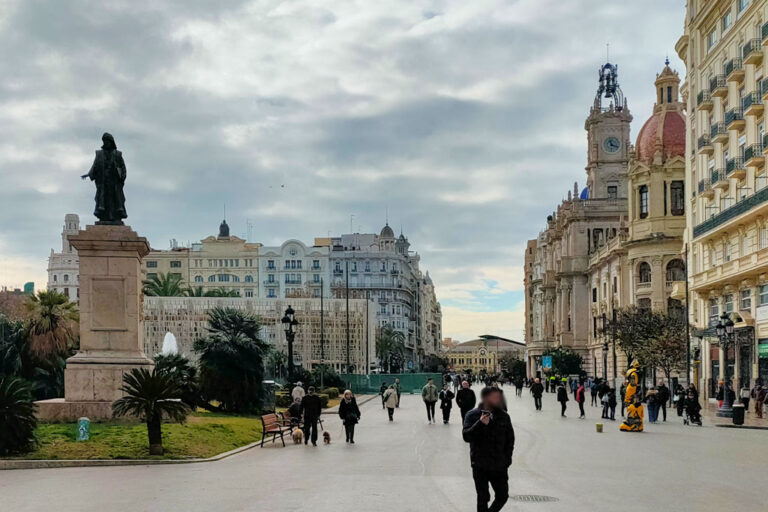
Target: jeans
[(653, 412), (537, 402), (613, 412), (430, 410), (605, 411), (594, 399), (391, 412), (310, 426), (499, 480)]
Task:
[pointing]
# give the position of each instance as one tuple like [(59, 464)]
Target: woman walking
[(446, 402), (652, 399), (581, 393), (562, 397), (349, 413), (390, 401)]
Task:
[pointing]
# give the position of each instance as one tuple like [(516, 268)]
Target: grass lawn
[(203, 435)]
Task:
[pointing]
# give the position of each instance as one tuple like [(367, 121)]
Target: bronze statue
[(108, 171)]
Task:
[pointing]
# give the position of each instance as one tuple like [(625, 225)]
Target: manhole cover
[(533, 498)]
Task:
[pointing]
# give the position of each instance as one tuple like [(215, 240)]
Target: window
[(594, 294), (644, 272), (746, 245), (175, 264), (223, 278), (315, 264), (151, 275), (711, 38), (236, 279), (613, 191), (198, 279), (644, 304), (677, 193), (248, 279), (726, 250), (211, 279), (249, 292), (271, 265), (287, 264), (643, 200), (298, 264), (316, 278), (676, 270), (763, 294), (712, 257), (151, 264), (55, 278), (746, 300), (271, 278), (66, 278), (728, 303), (726, 21), (743, 4), (763, 237)]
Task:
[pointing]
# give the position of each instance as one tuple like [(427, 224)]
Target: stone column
[(111, 329)]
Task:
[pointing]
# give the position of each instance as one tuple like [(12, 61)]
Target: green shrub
[(331, 392), (17, 416), (283, 399), (323, 399)]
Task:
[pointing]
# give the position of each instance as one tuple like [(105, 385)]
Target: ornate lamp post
[(289, 324), (724, 330), (605, 361)]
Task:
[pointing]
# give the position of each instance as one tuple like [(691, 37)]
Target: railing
[(732, 212), (735, 114), (750, 99), (732, 65), (704, 185), (753, 151), (717, 175), (293, 281), (717, 129), (704, 141), (717, 82), (752, 46), (703, 96), (644, 285), (733, 164)]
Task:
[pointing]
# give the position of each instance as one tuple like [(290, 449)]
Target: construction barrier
[(409, 382)]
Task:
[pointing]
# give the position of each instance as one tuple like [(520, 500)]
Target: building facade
[(482, 355), (64, 266), (724, 49), (294, 270)]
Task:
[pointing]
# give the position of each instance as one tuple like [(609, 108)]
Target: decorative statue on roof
[(108, 172)]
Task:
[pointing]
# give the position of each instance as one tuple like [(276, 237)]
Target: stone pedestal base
[(58, 409)]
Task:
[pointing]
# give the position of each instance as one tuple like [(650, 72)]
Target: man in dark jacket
[(663, 398), (491, 438), (536, 390), (446, 402), (465, 399), (311, 407)]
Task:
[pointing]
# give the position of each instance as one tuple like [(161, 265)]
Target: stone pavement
[(409, 465)]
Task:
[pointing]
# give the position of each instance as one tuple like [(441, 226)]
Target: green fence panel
[(409, 382)]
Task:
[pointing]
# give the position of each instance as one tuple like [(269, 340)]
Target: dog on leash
[(326, 437), (298, 436)]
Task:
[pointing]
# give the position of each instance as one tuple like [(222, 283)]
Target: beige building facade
[(724, 49), (482, 355)]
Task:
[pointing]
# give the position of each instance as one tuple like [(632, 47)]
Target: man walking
[(536, 390), (297, 392), (465, 399), (562, 397), (491, 438), (664, 395), (399, 390), (446, 402), (429, 395), (580, 398), (311, 407)]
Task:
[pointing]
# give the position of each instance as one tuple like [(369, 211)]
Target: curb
[(8, 464)]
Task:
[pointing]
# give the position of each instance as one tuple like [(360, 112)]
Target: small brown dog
[(298, 436), (326, 437)]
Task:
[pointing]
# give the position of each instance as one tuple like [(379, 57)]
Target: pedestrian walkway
[(409, 465)]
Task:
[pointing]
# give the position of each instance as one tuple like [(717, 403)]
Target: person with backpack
[(562, 397), (430, 395), (581, 398)]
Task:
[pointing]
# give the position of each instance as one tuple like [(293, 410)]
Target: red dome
[(666, 127)]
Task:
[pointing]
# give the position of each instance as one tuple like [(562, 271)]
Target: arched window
[(211, 278), (248, 279), (644, 272), (198, 279), (676, 270), (235, 279)]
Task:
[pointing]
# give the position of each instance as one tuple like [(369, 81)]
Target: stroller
[(692, 412)]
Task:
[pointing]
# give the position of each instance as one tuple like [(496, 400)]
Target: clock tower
[(608, 138)]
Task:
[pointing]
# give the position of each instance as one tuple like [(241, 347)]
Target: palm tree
[(51, 322), (184, 372), (14, 346), (164, 285), (194, 291), (17, 416), (222, 292), (231, 360), (150, 395), (390, 347)]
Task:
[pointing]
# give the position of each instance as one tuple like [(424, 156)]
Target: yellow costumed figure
[(634, 420), (633, 380)]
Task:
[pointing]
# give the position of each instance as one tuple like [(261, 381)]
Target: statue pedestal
[(110, 323)]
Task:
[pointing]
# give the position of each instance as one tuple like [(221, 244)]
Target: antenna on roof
[(607, 52)]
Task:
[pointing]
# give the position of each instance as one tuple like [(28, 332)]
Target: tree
[(14, 347), (277, 362), (222, 292), (330, 377), (231, 360), (17, 416), (164, 285), (183, 372), (668, 348), (151, 395), (564, 361), (634, 329), (52, 324), (390, 348), (512, 365), (194, 291)]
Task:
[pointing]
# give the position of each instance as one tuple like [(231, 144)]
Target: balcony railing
[(732, 212), (753, 151), (703, 97), (717, 175), (733, 164), (717, 129), (704, 185), (752, 51), (704, 140), (750, 99), (734, 115), (733, 67)]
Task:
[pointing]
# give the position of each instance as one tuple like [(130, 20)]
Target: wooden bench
[(287, 420), (272, 426)]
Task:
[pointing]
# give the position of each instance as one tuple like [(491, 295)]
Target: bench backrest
[(269, 420)]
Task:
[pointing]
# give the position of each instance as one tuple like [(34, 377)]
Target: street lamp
[(289, 324), (724, 329), (605, 361)]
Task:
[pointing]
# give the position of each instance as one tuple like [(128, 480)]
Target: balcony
[(752, 52), (719, 179), (718, 87), (752, 104), (718, 133), (705, 145), (704, 100), (643, 286), (705, 189), (735, 168), (734, 119), (734, 70), (732, 212), (753, 156)]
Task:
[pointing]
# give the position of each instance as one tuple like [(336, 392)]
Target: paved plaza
[(409, 465)]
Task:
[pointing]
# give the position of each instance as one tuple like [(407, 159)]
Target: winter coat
[(581, 394), (297, 392), (611, 398), (562, 394), (490, 446), (311, 407), (465, 399), (349, 412), (446, 399), (663, 394), (390, 398), (537, 389), (429, 393)]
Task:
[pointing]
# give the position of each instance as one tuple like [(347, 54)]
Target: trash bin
[(738, 414), (83, 429)]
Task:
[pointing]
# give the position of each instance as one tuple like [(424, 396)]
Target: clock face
[(611, 145)]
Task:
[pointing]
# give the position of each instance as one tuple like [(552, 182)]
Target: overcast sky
[(463, 119)]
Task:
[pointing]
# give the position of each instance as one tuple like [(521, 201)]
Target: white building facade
[(64, 266)]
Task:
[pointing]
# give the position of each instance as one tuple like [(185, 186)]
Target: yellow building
[(482, 355), (724, 48)]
